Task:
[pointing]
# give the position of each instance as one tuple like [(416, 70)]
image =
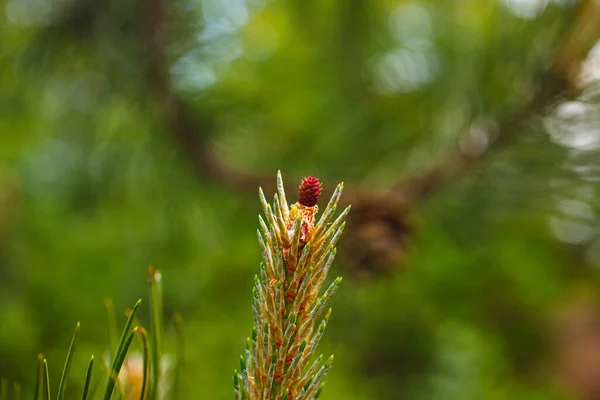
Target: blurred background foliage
[(467, 132)]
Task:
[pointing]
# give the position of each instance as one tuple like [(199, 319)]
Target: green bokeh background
[(94, 186)]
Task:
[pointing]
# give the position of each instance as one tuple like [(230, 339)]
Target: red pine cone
[(309, 191)]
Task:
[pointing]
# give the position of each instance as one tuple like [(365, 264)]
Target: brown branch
[(186, 130), (459, 162)]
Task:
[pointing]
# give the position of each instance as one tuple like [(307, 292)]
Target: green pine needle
[(122, 349), (144, 335), (46, 386), (63, 378), (114, 373), (88, 379)]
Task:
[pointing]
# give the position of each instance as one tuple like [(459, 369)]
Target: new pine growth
[(290, 313)]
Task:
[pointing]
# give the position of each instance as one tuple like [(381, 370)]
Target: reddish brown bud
[(309, 191)]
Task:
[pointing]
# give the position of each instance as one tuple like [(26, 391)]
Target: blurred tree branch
[(187, 132), (561, 82), (383, 219), (386, 223)]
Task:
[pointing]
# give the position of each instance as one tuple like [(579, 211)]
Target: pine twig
[(290, 313)]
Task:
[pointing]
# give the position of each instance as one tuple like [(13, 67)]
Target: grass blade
[(46, 385), (116, 368), (63, 378), (88, 379)]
